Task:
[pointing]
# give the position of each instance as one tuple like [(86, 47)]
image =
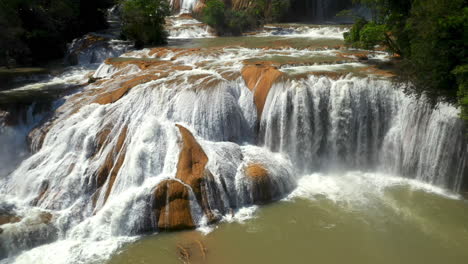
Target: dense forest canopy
[(430, 35), (35, 31)]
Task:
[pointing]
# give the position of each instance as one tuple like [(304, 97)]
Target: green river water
[(338, 219)]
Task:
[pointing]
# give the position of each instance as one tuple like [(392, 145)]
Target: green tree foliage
[(144, 20), (371, 35), (430, 35), (461, 72), (34, 31), (226, 21)]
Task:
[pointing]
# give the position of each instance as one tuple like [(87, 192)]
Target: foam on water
[(357, 187)]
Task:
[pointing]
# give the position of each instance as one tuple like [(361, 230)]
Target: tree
[(33, 31), (430, 35), (227, 21), (144, 20)]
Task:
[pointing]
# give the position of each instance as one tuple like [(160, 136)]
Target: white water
[(308, 127), (306, 31), (187, 28), (186, 6), (364, 124)]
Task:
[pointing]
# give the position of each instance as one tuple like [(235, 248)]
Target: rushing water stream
[(364, 173)]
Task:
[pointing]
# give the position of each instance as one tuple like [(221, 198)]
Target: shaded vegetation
[(143, 21), (36, 31), (227, 21), (430, 36)]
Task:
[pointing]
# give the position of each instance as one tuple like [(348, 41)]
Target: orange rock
[(115, 95), (9, 219), (42, 191), (259, 78), (191, 170), (171, 206), (192, 161), (112, 164), (261, 183), (171, 199), (143, 64)]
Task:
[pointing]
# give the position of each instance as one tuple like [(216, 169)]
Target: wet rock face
[(262, 186), (20, 233), (171, 206), (259, 78), (171, 198), (8, 219), (94, 48)]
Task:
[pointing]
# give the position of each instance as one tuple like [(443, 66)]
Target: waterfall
[(172, 138), (360, 124), (183, 6)]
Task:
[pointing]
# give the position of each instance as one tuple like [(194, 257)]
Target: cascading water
[(184, 6), (111, 163), (360, 124)]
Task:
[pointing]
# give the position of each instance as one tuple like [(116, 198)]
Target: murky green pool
[(359, 223)]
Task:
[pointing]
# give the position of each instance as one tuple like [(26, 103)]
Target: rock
[(46, 217), (191, 170), (33, 230), (84, 44), (192, 159), (259, 78), (115, 95), (261, 183), (170, 199), (362, 57), (9, 219), (113, 162), (171, 206)]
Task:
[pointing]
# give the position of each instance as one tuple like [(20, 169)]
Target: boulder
[(262, 186), (171, 206)]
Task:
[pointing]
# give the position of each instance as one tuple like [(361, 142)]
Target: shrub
[(353, 37), (372, 34), (226, 21), (430, 36), (461, 72), (143, 21), (38, 31)]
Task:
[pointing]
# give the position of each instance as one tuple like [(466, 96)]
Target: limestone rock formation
[(262, 186), (259, 78), (171, 206), (171, 200)]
